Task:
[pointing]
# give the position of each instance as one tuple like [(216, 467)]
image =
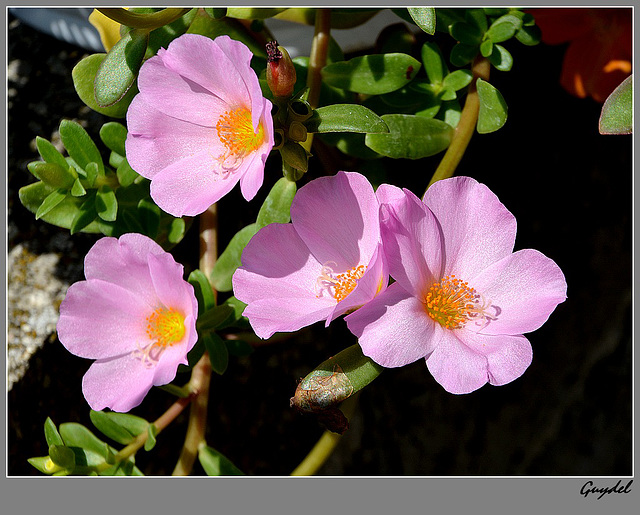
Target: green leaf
[(295, 155), (486, 48), (253, 13), (351, 144), (466, 33), (372, 74), (79, 145), (126, 175), (501, 58), (617, 112), (411, 137), (42, 463), (84, 74), (76, 435), (214, 317), (152, 432), (218, 352), (215, 463), (477, 18), (52, 200), (425, 18), (62, 456), (529, 35), (462, 54), (238, 348), (276, 207), (176, 230), (50, 153), (33, 195), (120, 427), (456, 80), (434, 64), (85, 214), (204, 293), (77, 190), (106, 204), (229, 260), (92, 173), (118, 71), (504, 28), (114, 135), (53, 174), (216, 13), (493, 108), (235, 319), (51, 434), (345, 118)]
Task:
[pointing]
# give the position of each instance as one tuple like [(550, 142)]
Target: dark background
[(569, 414)]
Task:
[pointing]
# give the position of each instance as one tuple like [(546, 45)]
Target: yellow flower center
[(341, 285), (452, 303), (165, 327), (235, 130)]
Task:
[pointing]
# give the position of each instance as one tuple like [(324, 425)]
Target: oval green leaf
[(84, 74), (501, 58), (215, 463), (120, 427), (51, 434), (218, 352), (52, 174), (617, 112), (52, 200), (345, 118), (434, 64), (411, 137), (493, 108), (118, 71), (372, 74), (276, 208), (114, 135), (504, 28), (424, 17), (229, 260), (79, 145)]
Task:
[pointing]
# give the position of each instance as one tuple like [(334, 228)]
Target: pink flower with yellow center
[(462, 298), (135, 315), (327, 262), (200, 124)]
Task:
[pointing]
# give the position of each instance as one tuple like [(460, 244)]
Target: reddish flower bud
[(281, 74)]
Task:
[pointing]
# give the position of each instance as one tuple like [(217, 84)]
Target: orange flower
[(599, 54)]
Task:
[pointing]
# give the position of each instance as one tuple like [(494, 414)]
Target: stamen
[(339, 286), (452, 303), (165, 327), (235, 130)]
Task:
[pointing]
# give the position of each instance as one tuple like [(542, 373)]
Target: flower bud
[(281, 74)]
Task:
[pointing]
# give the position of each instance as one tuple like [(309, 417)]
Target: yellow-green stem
[(201, 373), (323, 448), (466, 125)]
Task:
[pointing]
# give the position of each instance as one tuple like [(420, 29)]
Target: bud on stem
[(281, 74)]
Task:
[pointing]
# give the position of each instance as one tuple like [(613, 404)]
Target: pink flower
[(199, 124), (135, 315), (461, 299), (328, 261)]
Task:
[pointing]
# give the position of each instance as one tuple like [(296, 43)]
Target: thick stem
[(323, 448), (466, 125), (200, 380), (318, 57), (201, 373)]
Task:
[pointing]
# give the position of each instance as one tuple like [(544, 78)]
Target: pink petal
[(221, 66), (119, 384), (278, 280), (156, 140), (478, 230), (190, 186), (507, 356), (412, 243), (455, 365), (123, 262), (525, 286), (394, 329), (252, 178), (268, 316), (100, 319), (176, 96), (389, 194), (337, 217), (170, 287)]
